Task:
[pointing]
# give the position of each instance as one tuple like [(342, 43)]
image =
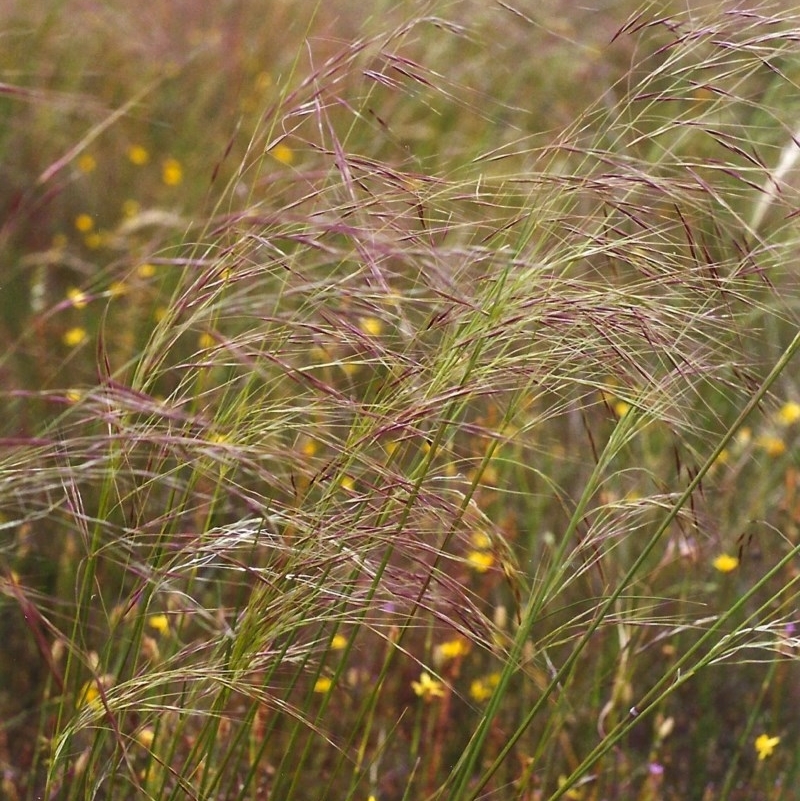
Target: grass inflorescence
[(399, 404)]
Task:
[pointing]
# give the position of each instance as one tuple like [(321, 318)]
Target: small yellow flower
[(146, 270), (73, 337), (130, 208), (138, 155), (339, 642), (725, 563), (723, 458), (765, 745), (205, 340), (480, 561), (789, 413), (87, 163), (145, 736), (427, 688), (621, 408), (95, 239), (774, 446), (479, 690), (282, 153), (159, 622), (347, 483), (309, 447), (371, 326), (452, 649), (574, 793), (480, 539), (90, 693), (323, 684), (77, 297), (73, 396), (117, 289), (84, 223), (171, 172)]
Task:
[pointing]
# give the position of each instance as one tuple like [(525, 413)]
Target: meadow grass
[(399, 403)]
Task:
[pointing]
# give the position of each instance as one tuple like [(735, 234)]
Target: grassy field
[(398, 401)]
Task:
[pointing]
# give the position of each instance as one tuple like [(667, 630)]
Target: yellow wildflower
[(95, 239), (309, 447), (621, 408), (451, 649), (206, 340), (725, 563), (73, 337), (77, 297), (87, 163), (90, 693), (339, 642), (480, 561), (479, 690), (159, 622), (145, 736), (574, 793), (480, 539), (138, 155), (723, 458), (84, 223), (427, 688), (282, 153), (789, 413), (323, 684), (372, 326), (171, 172), (765, 745), (130, 208), (146, 270), (774, 446)]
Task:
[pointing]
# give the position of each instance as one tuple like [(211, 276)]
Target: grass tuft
[(398, 404)]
